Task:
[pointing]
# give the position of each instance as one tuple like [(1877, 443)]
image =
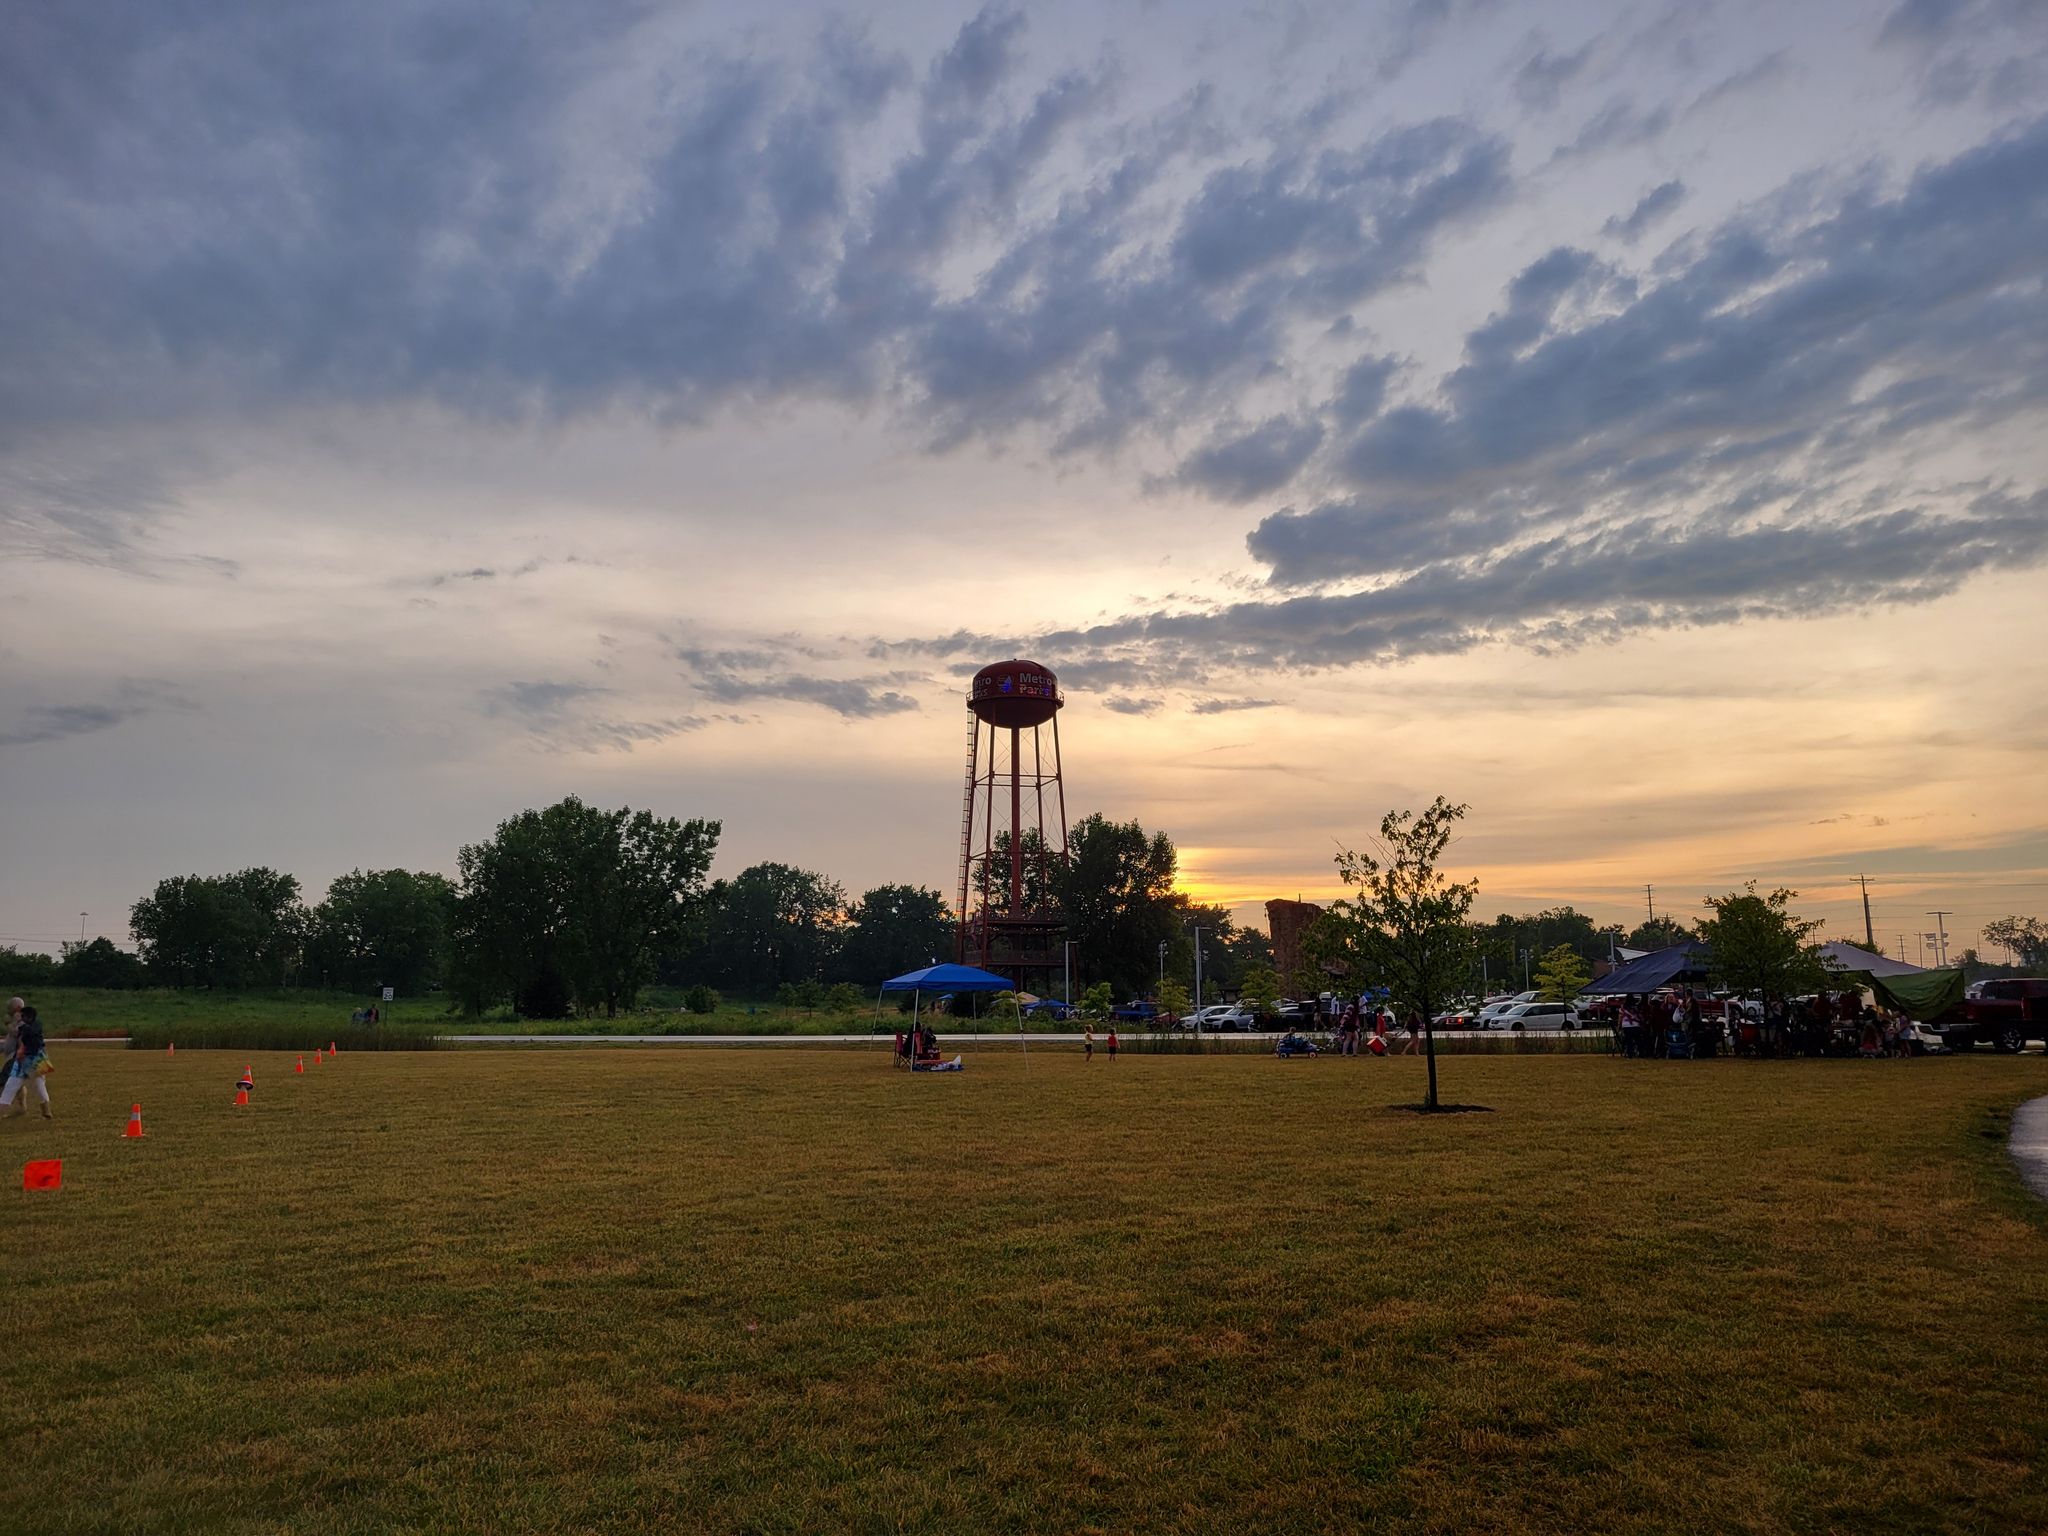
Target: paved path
[(2030, 1144)]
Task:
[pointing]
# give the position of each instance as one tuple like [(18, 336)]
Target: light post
[(1198, 932), (1162, 962), (81, 930)]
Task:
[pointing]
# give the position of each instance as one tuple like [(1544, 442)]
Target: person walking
[(1414, 1045), (29, 1064), (1111, 1043), (1088, 1043)]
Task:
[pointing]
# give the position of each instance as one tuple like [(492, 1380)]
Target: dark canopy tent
[(1920, 995), (1682, 965)]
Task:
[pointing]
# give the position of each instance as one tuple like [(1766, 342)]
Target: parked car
[(2007, 1012), (1205, 1018), (1050, 1008), (1236, 1017), (1135, 1012), (1922, 1040), (1459, 1018), (1489, 1015), (1540, 1016)]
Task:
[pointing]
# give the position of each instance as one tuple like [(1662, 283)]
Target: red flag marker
[(45, 1173)]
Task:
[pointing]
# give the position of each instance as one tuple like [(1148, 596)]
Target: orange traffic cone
[(301, 1067), (171, 1049), (331, 1050), (241, 1098), (242, 1088), (134, 1124), (316, 1056)]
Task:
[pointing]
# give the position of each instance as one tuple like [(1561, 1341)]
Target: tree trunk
[(1429, 1051)]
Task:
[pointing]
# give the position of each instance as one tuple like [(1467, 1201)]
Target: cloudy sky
[(1626, 418)]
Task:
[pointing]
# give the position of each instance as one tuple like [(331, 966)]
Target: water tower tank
[(1015, 695)]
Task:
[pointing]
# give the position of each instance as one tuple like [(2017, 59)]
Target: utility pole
[(1198, 932), (1941, 936), (81, 930), (1650, 900), (1902, 949), (1162, 962), (1869, 935)]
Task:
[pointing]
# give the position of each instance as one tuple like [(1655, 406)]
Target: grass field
[(661, 1290)]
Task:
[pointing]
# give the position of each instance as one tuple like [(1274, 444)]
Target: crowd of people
[(1678, 1022)]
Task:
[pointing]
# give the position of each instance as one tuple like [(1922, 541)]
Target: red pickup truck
[(2007, 1013)]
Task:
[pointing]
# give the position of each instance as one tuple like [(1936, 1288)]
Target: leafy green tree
[(1659, 933), (570, 906), (1503, 942), (1260, 989), (844, 997), (1173, 998), (700, 999), (1561, 974), (2023, 938), (769, 924), (1761, 948), (1407, 924), (26, 968), (100, 963), (387, 928), (893, 929), (1117, 893), (1097, 1002), (239, 930)]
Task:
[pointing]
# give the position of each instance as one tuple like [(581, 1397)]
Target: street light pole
[(81, 930), (1940, 936), (1198, 932), (1162, 962)]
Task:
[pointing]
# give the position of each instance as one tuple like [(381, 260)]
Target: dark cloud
[(1242, 465), (1699, 448), (132, 699), (1124, 705), (1542, 77), (1621, 124), (1649, 208), (372, 205), (855, 698), (1229, 706), (564, 717)]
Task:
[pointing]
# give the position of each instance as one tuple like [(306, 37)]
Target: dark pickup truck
[(2006, 1013)]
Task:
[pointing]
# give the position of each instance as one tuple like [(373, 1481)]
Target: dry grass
[(796, 1291)]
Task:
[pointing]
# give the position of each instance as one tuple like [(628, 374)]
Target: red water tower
[(1009, 912)]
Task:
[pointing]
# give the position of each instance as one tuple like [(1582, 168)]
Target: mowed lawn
[(791, 1290)]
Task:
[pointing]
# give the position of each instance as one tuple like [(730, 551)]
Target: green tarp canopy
[(1921, 995)]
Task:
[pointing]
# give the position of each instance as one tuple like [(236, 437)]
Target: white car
[(1205, 1018), (1539, 1016), (1490, 1015)]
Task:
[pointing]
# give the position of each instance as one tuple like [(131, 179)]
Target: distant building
[(1286, 922)]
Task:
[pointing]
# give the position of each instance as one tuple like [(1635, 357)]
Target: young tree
[(1260, 989), (1407, 925), (1760, 947), (1561, 974), (1098, 1002), (1173, 998)]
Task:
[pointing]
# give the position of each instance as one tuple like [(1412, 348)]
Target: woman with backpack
[(31, 1063)]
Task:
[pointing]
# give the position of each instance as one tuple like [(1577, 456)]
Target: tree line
[(574, 909)]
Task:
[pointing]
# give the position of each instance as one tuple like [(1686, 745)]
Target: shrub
[(844, 997), (700, 999)]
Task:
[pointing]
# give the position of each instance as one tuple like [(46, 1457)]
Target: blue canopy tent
[(948, 979)]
